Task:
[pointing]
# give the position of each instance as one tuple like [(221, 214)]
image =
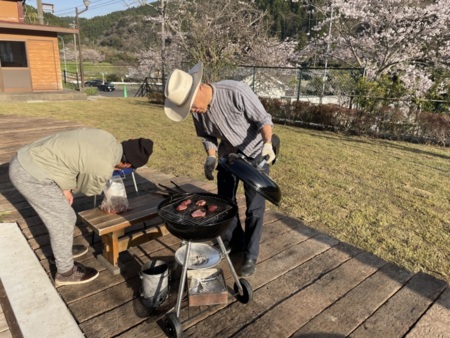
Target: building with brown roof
[(29, 53)]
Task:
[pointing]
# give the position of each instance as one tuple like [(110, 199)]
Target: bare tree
[(220, 33)]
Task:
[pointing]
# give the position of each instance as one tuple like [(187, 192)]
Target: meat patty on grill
[(199, 213)]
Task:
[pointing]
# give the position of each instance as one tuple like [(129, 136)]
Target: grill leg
[(183, 278), (227, 257)]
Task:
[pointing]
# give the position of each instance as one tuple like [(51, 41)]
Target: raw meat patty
[(201, 203), (212, 208), (199, 213)]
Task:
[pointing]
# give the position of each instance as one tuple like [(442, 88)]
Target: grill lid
[(260, 181)]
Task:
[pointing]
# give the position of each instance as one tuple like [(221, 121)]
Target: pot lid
[(255, 177)]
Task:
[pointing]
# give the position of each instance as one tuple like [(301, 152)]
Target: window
[(13, 54)]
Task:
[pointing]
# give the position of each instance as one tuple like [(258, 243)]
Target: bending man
[(46, 171)]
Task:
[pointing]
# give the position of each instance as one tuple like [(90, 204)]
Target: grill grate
[(170, 213)]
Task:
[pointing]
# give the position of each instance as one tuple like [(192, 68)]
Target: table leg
[(110, 253)]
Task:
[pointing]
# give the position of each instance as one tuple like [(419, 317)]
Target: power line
[(96, 4)]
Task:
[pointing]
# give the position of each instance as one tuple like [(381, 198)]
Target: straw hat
[(180, 91)]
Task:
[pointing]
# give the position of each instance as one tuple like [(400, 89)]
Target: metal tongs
[(172, 191)]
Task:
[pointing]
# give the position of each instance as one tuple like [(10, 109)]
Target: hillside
[(129, 30), (121, 30)]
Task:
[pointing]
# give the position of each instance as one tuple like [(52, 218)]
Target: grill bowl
[(183, 226)]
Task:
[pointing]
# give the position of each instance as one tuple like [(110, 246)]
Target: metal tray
[(201, 256)]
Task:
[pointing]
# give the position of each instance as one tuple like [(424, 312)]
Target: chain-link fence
[(315, 85), (325, 98)]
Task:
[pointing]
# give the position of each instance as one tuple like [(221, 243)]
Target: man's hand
[(268, 151), (210, 165), (69, 196)]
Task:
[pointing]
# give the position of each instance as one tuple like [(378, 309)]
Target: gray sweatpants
[(48, 200)]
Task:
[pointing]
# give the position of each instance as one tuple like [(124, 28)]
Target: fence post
[(78, 81), (299, 84)]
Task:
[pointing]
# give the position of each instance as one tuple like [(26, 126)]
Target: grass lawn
[(388, 198)]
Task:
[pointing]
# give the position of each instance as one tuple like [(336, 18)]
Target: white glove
[(268, 151), (210, 165)]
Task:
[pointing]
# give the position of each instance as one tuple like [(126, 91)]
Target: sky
[(96, 7)]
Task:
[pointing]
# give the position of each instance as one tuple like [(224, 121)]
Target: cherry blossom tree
[(149, 65), (408, 38), (92, 55)]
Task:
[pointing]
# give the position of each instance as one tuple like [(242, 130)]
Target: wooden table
[(111, 228)]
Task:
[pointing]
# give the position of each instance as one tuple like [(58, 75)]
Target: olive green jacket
[(80, 159)]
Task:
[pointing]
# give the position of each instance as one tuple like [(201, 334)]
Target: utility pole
[(77, 21), (163, 45), (64, 55), (40, 12)]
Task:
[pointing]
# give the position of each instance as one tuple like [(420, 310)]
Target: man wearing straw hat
[(229, 112)]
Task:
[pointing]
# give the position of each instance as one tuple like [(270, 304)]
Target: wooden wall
[(43, 61), (9, 11)]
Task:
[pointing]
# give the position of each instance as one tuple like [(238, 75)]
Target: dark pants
[(248, 240)]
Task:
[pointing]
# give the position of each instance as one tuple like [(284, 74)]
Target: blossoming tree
[(408, 38)]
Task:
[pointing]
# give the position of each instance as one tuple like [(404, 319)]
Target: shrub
[(91, 91), (434, 128), (299, 110), (155, 97)]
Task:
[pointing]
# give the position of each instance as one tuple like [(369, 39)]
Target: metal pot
[(181, 223)]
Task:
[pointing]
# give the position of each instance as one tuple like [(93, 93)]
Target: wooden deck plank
[(230, 320), (435, 323), (23, 134), (288, 316), (349, 312), (391, 320)]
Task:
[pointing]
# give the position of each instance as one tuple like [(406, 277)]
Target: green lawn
[(389, 198), (97, 70)]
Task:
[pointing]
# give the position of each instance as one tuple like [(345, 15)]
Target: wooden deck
[(307, 284)]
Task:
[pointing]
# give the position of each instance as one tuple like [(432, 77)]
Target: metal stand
[(242, 288)]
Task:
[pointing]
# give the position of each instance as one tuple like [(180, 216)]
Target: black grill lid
[(260, 181)]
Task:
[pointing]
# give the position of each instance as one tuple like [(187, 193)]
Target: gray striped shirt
[(235, 116)]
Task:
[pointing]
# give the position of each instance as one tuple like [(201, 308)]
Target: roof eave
[(38, 28)]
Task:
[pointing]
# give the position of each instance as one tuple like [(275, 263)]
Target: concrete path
[(36, 305)]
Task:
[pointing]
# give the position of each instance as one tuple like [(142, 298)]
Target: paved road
[(131, 91)]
